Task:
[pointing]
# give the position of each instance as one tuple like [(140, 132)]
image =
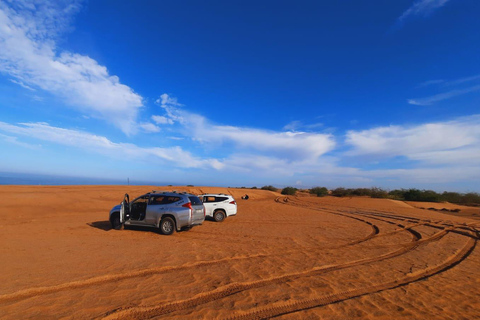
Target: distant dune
[(281, 256)]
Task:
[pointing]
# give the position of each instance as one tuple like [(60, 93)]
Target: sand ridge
[(287, 257)]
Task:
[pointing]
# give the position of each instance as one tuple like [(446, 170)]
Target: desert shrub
[(378, 193), (270, 188), (340, 192), (253, 188), (471, 198), (360, 192), (397, 194), (432, 196), (319, 191), (453, 197), (289, 191), (190, 185), (421, 195)]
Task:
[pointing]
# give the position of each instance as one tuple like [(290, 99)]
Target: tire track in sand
[(146, 312), (36, 291), (300, 305), (32, 292)]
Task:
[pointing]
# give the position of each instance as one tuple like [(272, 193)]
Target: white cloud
[(21, 84), (422, 8), (290, 145), (174, 156), (296, 125), (162, 120), (149, 127), (469, 155), (14, 140), (287, 145), (442, 96), (166, 100), (463, 80), (27, 38), (453, 141), (170, 105), (425, 175), (292, 126), (430, 82)]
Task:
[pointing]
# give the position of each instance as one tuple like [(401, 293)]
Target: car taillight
[(189, 206), (232, 202), (204, 212)]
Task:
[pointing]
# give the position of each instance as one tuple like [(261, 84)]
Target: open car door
[(125, 209)]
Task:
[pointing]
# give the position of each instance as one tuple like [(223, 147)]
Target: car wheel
[(167, 226), (116, 224), (219, 216)]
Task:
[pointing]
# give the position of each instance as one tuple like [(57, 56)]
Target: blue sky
[(242, 93)]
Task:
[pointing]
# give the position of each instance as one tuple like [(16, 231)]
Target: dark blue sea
[(8, 178)]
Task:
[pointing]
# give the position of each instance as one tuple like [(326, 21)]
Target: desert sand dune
[(287, 257)]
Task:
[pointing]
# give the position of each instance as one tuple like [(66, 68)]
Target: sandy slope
[(287, 257)]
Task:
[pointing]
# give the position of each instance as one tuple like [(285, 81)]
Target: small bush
[(340, 192), (253, 188), (289, 191), (397, 194), (270, 188), (319, 191), (378, 193), (421, 195), (471, 198)]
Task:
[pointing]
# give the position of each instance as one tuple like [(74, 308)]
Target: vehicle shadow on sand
[(102, 225), (106, 226)]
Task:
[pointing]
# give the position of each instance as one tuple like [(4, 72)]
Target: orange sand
[(286, 257)]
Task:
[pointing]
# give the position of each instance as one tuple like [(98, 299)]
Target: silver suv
[(164, 210), (219, 205)]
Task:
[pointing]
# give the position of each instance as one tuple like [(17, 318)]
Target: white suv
[(219, 205)]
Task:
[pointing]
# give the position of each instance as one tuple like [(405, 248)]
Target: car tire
[(219, 216), (116, 224), (167, 226)]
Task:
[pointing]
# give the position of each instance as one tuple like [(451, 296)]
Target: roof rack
[(157, 191)]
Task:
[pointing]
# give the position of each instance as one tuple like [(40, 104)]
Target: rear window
[(168, 200), (163, 199), (209, 199), (220, 199), (195, 200)]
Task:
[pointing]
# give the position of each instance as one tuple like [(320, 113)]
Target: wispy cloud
[(162, 120), (174, 156), (287, 144), (15, 141), (462, 80), (430, 83), (149, 127), (442, 152), (442, 96), (458, 140), (298, 125), (28, 31), (21, 84), (449, 83), (422, 8)]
